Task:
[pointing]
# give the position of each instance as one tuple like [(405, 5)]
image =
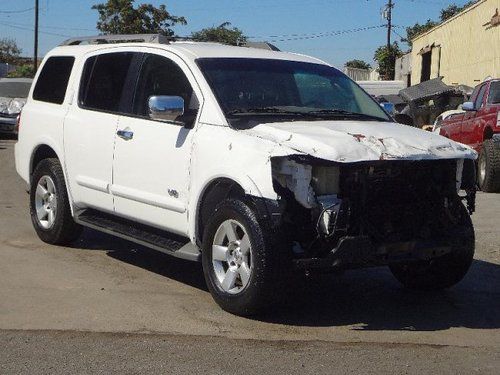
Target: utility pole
[(390, 5), (35, 57)]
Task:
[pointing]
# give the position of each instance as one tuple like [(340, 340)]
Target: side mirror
[(468, 106), (165, 108)]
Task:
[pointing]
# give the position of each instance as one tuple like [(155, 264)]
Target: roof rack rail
[(117, 38)]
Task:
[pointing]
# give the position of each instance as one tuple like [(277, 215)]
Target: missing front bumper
[(359, 251)]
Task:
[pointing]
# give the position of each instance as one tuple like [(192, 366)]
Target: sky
[(348, 29)]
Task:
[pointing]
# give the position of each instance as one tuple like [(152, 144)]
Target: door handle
[(125, 134)]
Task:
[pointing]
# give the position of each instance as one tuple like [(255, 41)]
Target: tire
[(259, 253), (489, 168), (49, 205), (447, 270)]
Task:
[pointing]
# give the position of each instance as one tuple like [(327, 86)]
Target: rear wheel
[(447, 270), (49, 205), (240, 262), (489, 168)]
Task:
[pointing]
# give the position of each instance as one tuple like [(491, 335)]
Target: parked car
[(13, 94), (479, 127), (260, 164)]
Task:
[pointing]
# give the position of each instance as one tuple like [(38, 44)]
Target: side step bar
[(156, 239)]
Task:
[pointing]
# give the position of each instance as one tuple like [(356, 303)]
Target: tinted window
[(161, 76), (479, 101), (494, 96), (53, 80), (103, 81)]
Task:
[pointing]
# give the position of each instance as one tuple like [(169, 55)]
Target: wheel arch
[(488, 133), (215, 191)]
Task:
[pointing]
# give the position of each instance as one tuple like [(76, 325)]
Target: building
[(403, 69), (464, 49)]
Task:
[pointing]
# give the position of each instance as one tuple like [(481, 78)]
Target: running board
[(156, 239)]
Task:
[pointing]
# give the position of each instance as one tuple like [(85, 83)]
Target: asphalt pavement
[(105, 305)]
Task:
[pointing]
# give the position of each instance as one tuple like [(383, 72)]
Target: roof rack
[(117, 38)]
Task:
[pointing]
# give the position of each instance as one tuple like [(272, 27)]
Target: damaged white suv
[(260, 164)]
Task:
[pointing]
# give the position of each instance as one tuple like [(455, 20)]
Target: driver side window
[(161, 76), (480, 96)]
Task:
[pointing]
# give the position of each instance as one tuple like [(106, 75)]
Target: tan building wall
[(463, 50)]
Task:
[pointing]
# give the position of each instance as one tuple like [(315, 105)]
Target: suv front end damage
[(370, 213)]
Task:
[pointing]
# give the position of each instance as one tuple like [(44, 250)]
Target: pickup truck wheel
[(49, 205), (489, 168), (447, 270), (238, 259)]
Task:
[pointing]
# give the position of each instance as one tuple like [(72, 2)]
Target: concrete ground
[(107, 305)]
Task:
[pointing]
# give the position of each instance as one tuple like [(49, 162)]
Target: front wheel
[(240, 263), (447, 270)]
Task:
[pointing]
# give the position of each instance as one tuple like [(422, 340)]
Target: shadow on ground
[(368, 299)]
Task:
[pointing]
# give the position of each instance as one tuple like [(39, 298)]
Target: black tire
[(447, 270), (490, 156), (64, 229), (267, 261)]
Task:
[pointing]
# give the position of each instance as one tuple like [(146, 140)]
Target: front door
[(152, 158)]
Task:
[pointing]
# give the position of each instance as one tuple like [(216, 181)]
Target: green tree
[(121, 17), (221, 34), (22, 71), (358, 64), (454, 9), (386, 59), (9, 51), (417, 29)]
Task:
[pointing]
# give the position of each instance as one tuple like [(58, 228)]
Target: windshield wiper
[(266, 111), (341, 112)]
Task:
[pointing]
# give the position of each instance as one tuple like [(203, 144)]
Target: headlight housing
[(15, 106)]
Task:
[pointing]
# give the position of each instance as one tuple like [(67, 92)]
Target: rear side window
[(103, 81), (53, 80)]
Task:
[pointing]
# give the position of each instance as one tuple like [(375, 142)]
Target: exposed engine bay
[(371, 213)]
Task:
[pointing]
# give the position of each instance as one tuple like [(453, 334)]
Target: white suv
[(260, 164)]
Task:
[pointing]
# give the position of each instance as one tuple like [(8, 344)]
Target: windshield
[(9, 89), (280, 88)]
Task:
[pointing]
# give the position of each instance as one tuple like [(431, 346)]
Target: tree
[(358, 64), (9, 51), (454, 9), (120, 17), (23, 71), (386, 59), (220, 34), (417, 29)]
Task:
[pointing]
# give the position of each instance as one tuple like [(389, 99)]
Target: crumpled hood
[(352, 141)]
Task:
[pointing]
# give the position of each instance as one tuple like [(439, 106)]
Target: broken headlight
[(325, 180)]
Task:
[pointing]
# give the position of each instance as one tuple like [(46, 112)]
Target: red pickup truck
[(479, 127)]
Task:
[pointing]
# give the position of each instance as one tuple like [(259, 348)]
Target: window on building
[(426, 66), (53, 80)]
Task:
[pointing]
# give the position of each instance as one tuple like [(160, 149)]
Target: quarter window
[(53, 80), (103, 81)]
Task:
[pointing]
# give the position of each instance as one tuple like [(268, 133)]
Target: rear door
[(90, 127), (151, 166)]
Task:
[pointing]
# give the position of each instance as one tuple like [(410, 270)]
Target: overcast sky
[(348, 28)]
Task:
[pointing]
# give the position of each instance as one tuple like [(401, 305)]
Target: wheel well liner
[(42, 152), (218, 190), (488, 133)]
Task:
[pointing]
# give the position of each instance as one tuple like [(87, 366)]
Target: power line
[(17, 11), (291, 37)]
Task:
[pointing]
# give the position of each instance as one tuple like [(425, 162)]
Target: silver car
[(13, 94)]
